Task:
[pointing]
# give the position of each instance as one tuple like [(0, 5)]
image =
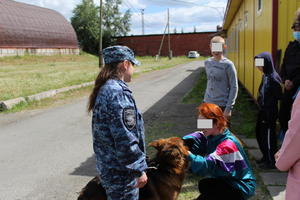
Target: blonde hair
[(217, 39)]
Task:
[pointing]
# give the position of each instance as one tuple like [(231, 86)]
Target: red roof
[(27, 26)]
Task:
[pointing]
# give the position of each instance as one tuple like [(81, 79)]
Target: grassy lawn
[(27, 75), (21, 76)]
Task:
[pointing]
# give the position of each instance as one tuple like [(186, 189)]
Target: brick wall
[(181, 43)]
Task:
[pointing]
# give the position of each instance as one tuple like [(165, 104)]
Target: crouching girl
[(218, 156)]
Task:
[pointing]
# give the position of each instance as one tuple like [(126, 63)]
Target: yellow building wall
[(249, 45), (252, 37), (232, 41), (286, 16), (250, 33), (241, 49), (262, 36), (232, 38)]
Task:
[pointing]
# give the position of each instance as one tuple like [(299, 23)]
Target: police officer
[(118, 127)]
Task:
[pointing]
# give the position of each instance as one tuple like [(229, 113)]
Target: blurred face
[(209, 131), (259, 63), (216, 48), (128, 70)]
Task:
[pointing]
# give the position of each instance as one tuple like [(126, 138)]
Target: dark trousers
[(285, 108), (266, 135), (216, 189)]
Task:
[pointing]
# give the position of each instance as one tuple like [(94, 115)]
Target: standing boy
[(222, 85)]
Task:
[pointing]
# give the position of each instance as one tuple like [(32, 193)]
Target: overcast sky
[(205, 15)]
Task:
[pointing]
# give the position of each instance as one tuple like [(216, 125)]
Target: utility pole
[(161, 43), (169, 40), (143, 26), (101, 63)]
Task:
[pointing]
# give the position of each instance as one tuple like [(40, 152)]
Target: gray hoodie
[(222, 85)]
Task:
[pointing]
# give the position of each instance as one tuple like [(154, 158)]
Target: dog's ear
[(180, 143), (157, 144)]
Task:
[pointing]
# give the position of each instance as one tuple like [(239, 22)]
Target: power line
[(196, 4), (130, 6)]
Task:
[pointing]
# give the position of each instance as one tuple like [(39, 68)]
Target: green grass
[(27, 75), (21, 76), (57, 100)]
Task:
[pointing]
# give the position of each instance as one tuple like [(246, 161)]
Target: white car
[(193, 54)]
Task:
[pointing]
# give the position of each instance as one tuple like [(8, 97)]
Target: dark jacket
[(270, 89), (290, 69)]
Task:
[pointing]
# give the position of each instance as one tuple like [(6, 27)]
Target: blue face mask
[(296, 35)]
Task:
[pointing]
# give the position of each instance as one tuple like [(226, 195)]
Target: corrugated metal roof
[(27, 26)]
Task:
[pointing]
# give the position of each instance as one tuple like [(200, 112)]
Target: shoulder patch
[(129, 118)]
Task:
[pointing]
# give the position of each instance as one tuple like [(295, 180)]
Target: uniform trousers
[(120, 187)]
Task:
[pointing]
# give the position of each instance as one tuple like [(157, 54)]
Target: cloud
[(186, 14), (203, 18), (64, 7)]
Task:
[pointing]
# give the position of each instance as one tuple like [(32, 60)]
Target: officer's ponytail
[(109, 71)]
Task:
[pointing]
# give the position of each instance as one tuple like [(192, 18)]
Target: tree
[(85, 21), (86, 24), (114, 23)]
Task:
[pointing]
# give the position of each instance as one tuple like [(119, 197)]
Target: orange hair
[(214, 112)]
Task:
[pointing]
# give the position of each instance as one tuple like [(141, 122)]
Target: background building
[(181, 43), (31, 29), (255, 26)]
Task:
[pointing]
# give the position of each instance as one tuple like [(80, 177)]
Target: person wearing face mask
[(268, 95), (290, 74), (218, 156)]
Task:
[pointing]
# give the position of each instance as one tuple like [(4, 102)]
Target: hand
[(276, 156), (141, 181), (227, 114), (288, 84)]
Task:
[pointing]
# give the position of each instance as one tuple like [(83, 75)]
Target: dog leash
[(151, 168)]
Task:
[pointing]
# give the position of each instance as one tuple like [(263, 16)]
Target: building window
[(259, 6)]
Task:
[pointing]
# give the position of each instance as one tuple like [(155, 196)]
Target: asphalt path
[(47, 154)]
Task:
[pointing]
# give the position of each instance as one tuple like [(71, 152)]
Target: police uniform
[(118, 140)]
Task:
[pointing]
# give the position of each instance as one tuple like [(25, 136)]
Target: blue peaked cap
[(118, 53)]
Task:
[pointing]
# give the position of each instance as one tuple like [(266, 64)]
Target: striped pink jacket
[(289, 157)]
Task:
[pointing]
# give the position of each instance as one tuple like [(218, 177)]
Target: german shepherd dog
[(164, 182)]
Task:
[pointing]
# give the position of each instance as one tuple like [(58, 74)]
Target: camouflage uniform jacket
[(118, 132)]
